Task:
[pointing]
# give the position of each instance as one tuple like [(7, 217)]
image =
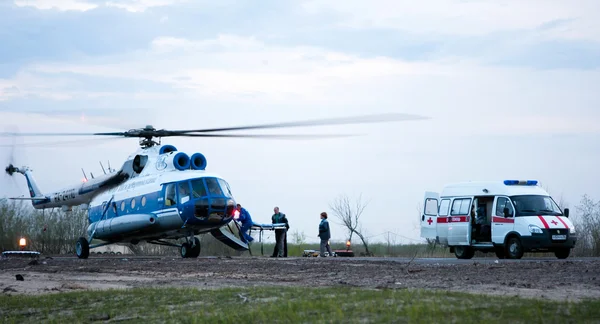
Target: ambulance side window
[(460, 206), (444, 206), (431, 207), (500, 204)]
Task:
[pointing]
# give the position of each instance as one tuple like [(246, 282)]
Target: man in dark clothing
[(325, 235), (246, 221), (280, 234)]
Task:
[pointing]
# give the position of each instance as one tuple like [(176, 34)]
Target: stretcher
[(261, 228)]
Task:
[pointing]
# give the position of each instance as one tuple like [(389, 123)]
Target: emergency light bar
[(521, 182)]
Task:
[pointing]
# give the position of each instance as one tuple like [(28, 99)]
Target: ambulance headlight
[(535, 229), (572, 230)]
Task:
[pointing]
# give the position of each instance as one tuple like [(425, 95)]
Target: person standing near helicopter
[(280, 249), (324, 235)]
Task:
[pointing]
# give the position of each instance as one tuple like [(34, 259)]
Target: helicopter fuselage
[(168, 205), (159, 193)]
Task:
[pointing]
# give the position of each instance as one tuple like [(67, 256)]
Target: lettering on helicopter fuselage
[(133, 185), (64, 195)]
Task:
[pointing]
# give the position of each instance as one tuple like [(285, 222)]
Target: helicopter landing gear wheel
[(187, 251), (82, 248), (195, 251)]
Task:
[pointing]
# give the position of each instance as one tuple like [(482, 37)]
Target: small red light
[(236, 214)]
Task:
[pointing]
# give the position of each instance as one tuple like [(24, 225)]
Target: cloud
[(466, 18), (85, 5), (247, 70), (234, 65), (142, 5), (61, 5), (535, 42)]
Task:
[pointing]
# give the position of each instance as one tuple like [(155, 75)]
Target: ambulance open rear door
[(429, 215)]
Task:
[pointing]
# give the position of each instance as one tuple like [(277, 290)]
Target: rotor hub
[(10, 169)]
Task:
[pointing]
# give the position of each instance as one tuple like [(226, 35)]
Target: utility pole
[(388, 240)]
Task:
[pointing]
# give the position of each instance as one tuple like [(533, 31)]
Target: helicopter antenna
[(102, 167), (109, 169), (84, 176), (92, 175)]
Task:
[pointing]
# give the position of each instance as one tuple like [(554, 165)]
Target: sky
[(510, 89)]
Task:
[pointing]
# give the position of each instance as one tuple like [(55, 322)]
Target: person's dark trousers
[(280, 247), (285, 245)]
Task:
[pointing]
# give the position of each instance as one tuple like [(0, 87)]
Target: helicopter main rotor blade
[(92, 141), (378, 118), (61, 134), (273, 136), (150, 132)]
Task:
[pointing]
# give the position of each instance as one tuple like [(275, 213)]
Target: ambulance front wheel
[(464, 252), (514, 248)]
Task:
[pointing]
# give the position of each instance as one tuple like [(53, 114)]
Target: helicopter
[(160, 193)]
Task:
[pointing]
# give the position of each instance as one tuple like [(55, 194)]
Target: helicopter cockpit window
[(225, 188), (170, 195), (184, 192), (198, 188), (213, 187)]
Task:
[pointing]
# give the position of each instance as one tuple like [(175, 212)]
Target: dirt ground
[(557, 280)]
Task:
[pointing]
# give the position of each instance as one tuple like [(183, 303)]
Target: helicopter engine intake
[(167, 149), (198, 161)]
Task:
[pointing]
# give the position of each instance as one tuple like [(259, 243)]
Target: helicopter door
[(170, 196), (186, 206)]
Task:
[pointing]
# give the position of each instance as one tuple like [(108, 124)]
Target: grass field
[(296, 305)]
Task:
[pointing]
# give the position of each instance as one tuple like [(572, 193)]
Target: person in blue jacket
[(325, 235), (246, 221)]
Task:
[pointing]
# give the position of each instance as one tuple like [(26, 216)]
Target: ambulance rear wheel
[(500, 253), (464, 252), (562, 253), (514, 248)]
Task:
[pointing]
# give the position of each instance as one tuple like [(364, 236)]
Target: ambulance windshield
[(533, 205)]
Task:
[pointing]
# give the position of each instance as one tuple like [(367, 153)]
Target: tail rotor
[(10, 168)]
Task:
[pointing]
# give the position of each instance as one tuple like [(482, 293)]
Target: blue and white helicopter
[(160, 193)]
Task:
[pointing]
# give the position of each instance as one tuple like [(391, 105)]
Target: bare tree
[(349, 214), (298, 237), (587, 224)]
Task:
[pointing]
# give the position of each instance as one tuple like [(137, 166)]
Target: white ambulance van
[(508, 217)]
